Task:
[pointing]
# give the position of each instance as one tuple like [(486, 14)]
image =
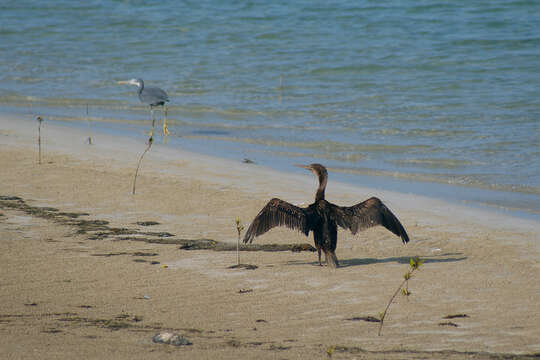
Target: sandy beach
[(89, 270)]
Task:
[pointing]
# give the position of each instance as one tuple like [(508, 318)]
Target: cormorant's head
[(317, 169)]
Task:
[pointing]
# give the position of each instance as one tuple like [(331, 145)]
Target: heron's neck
[(320, 191)]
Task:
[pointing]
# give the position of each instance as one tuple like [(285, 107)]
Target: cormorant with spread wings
[(323, 217)]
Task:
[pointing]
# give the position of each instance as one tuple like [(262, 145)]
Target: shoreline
[(131, 148), (99, 296), (506, 203)]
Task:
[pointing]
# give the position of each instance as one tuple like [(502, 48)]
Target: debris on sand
[(456, 316), (243, 266), (171, 339), (448, 323), (101, 230), (147, 223), (364, 318)]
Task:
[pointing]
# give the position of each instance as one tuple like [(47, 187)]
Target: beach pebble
[(171, 339)]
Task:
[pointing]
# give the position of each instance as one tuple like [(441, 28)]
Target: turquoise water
[(429, 97)]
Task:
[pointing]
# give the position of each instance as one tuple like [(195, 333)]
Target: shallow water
[(413, 96)]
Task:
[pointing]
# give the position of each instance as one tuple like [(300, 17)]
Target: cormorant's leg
[(319, 251), (165, 129), (331, 259)]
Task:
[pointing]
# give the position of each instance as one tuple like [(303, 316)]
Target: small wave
[(327, 146), (469, 180), (420, 132), (271, 36), (444, 163), (295, 154), (23, 100), (513, 43), (351, 69)]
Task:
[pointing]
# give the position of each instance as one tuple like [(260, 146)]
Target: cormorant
[(323, 217)]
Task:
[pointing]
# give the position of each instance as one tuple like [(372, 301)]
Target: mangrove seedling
[(330, 350), (150, 141), (39, 120), (403, 287), (239, 228), (89, 140)]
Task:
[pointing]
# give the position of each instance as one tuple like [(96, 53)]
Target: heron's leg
[(153, 121), (165, 129)]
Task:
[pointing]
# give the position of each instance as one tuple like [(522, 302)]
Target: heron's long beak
[(307, 167), (124, 82)]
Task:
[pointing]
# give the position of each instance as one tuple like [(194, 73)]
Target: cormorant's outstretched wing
[(277, 213), (371, 212)]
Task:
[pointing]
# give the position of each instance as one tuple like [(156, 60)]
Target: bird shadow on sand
[(443, 258), (343, 263)]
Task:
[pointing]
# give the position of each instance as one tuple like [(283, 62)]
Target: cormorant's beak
[(307, 167)]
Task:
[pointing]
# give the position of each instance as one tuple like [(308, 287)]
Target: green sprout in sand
[(404, 287), (239, 228)]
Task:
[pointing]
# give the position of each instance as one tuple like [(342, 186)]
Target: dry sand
[(73, 286)]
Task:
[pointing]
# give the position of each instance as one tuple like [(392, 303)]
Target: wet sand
[(86, 273)]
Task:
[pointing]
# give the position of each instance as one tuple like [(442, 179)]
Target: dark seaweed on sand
[(100, 230)]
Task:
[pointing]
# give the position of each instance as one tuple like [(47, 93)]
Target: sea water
[(431, 97)]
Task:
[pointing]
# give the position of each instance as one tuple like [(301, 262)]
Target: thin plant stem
[(238, 250), (405, 282), (40, 120), (150, 141), (39, 142), (88, 123), (239, 228)]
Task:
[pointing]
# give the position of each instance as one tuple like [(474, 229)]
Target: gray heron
[(151, 96)]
